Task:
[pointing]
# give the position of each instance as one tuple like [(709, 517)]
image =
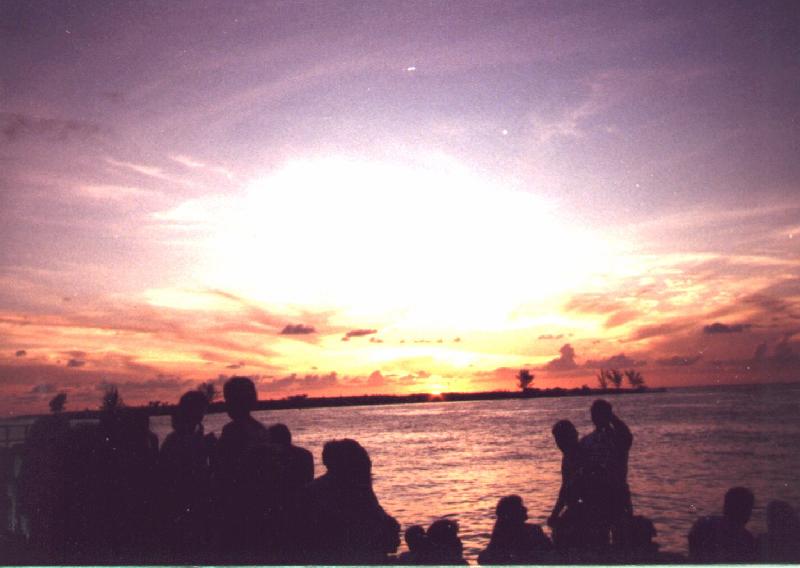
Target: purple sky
[(134, 135)]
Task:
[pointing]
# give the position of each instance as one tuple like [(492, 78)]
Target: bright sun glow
[(432, 245), (435, 390)]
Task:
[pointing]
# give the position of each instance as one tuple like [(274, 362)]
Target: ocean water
[(457, 459)]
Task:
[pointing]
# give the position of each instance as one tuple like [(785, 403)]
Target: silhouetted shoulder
[(781, 542), (715, 539), (346, 524)]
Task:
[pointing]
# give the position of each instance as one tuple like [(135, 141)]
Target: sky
[(340, 198)]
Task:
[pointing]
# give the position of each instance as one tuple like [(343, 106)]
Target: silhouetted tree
[(111, 400), (616, 377), (525, 378), (209, 389), (602, 378), (635, 378), (58, 402)]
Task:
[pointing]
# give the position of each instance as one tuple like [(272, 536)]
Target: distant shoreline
[(300, 402)]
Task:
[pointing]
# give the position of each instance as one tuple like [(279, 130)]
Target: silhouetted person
[(13, 547), (7, 475), (632, 541), (781, 542), (513, 540), (185, 479), (297, 463), (725, 538), (416, 540), (346, 524), (41, 487), (442, 544), (242, 475), (606, 494), (568, 518), (294, 470), (93, 491), (130, 453)]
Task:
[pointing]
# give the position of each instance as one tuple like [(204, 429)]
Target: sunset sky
[(395, 197)]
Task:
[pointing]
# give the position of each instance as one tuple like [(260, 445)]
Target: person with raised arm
[(606, 494)]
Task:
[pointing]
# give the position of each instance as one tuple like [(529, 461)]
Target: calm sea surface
[(457, 459)]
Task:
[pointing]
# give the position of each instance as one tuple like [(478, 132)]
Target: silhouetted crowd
[(107, 494)]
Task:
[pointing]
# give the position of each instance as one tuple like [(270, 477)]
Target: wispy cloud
[(190, 162), (17, 126), (149, 171), (115, 192)]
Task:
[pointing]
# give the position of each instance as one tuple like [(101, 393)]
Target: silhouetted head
[(347, 461), (240, 397), (782, 519), (414, 537), (601, 413), (442, 538), (279, 434), (643, 531), (190, 411), (635, 534), (566, 435), (510, 509), (47, 430), (128, 428), (738, 505)]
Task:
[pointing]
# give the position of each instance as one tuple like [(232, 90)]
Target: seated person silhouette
[(185, 478), (513, 540), (632, 541), (242, 471), (415, 541), (442, 544), (781, 542), (294, 470), (605, 493), (297, 463), (725, 539), (345, 523)]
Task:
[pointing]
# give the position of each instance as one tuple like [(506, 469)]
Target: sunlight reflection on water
[(458, 459)]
